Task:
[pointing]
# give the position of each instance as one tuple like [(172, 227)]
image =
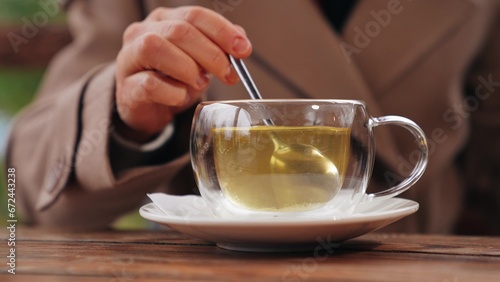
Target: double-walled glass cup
[(288, 158)]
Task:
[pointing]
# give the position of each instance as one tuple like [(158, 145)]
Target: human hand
[(166, 62)]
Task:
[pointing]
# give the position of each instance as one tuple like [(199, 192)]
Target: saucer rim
[(408, 207), (280, 236)]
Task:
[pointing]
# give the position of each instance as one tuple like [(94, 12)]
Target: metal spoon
[(313, 169)]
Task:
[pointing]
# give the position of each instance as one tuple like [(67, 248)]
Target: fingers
[(152, 52), (222, 32), (152, 87), (163, 65), (148, 100), (201, 34), (195, 44), (204, 52)]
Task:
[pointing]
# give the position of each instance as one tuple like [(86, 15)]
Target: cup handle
[(421, 164)]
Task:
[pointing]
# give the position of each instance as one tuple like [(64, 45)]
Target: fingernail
[(203, 80), (241, 45), (231, 75)]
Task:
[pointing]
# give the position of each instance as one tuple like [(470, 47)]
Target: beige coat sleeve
[(60, 144)]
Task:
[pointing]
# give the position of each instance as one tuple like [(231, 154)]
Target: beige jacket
[(409, 58)]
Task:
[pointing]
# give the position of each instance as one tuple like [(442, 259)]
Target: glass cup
[(288, 158)]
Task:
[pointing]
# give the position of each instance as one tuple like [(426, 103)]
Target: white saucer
[(190, 215)]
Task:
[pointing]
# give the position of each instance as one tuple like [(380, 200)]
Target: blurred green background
[(19, 82)]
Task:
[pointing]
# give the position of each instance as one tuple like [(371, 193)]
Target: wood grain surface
[(165, 255)]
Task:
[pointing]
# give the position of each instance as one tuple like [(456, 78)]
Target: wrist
[(129, 133), (140, 141)]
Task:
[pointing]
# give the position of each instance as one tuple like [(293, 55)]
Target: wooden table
[(164, 255)]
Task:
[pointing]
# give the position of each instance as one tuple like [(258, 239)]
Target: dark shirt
[(337, 11)]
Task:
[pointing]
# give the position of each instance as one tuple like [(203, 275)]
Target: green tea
[(243, 159)]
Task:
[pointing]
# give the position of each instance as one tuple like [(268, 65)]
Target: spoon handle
[(245, 77), (247, 81)]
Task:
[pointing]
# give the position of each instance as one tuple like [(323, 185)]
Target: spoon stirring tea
[(312, 169)]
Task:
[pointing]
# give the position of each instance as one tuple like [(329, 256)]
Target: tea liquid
[(243, 157)]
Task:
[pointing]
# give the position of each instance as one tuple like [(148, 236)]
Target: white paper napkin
[(189, 205)]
